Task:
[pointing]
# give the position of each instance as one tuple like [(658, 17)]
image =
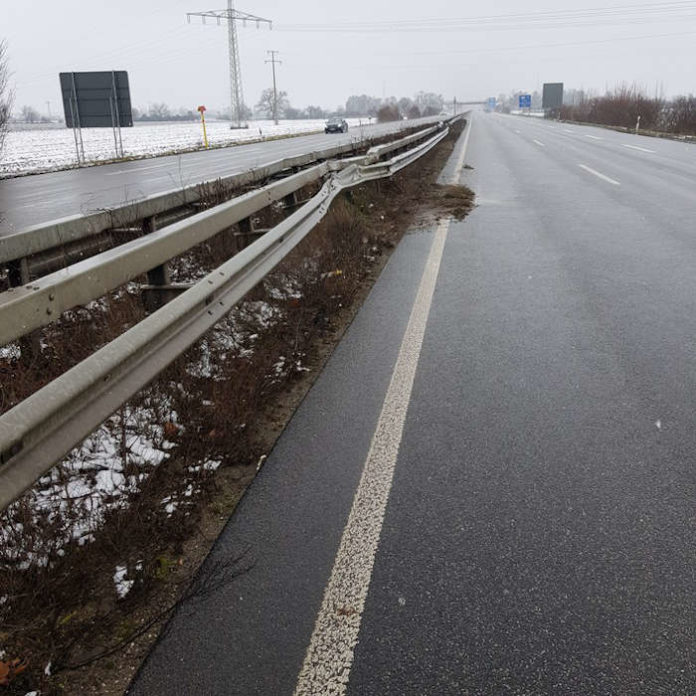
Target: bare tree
[(388, 112), (265, 103), (159, 112), (5, 93), (30, 114)]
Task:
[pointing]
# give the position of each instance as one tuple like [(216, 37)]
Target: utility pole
[(454, 106), (273, 62), (232, 16)]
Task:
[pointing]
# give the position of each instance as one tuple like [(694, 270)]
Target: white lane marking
[(599, 175), (538, 142), (460, 160), (328, 661), (517, 131), (135, 170), (635, 147), (568, 130), (594, 137)]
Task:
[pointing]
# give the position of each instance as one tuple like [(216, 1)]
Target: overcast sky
[(333, 49)]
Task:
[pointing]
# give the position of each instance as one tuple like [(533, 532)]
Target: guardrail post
[(159, 289), (159, 275), (18, 275), (246, 234), (290, 201), (18, 272)]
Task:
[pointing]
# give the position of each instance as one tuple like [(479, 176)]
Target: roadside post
[(201, 111)]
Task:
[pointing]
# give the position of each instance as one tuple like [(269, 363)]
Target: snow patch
[(123, 586)]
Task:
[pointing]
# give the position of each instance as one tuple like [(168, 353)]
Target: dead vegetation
[(625, 105), (94, 557)]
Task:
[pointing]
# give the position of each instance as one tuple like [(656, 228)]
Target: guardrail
[(38, 303), (44, 237), (42, 429)]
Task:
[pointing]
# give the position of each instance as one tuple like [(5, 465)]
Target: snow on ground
[(113, 462), (47, 148)]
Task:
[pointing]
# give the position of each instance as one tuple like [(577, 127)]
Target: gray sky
[(331, 50)]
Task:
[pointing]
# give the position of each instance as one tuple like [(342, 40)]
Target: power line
[(593, 16), (273, 62), (232, 16)]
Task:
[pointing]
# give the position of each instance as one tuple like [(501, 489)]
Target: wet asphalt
[(539, 535), (40, 198)]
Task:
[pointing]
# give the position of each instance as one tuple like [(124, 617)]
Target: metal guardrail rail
[(57, 233), (38, 303), (38, 432)]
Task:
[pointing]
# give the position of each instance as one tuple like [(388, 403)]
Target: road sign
[(525, 101), (553, 95), (491, 103), (96, 99)]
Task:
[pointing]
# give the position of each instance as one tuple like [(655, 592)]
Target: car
[(336, 125)]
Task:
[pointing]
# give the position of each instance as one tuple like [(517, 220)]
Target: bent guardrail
[(46, 236), (38, 432)]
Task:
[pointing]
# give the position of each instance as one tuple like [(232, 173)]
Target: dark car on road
[(336, 125)]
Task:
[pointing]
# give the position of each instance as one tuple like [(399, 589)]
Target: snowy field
[(48, 148)]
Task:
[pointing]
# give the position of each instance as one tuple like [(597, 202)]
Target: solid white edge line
[(599, 174), (635, 147), (329, 658)]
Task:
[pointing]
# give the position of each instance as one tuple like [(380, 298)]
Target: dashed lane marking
[(599, 175), (593, 137), (539, 143), (635, 147)]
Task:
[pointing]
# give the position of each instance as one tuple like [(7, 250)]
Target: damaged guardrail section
[(58, 233), (42, 429)]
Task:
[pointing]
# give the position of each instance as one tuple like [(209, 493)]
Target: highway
[(491, 487), (30, 200)]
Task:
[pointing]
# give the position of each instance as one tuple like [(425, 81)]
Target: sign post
[(201, 111), (96, 100)]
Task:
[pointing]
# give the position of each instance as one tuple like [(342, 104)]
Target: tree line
[(621, 108), (625, 105), (356, 106)]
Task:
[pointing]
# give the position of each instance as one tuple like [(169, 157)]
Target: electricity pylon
[(233, 16)]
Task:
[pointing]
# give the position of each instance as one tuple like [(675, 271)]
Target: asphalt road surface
[(491, 487), (31, 200)]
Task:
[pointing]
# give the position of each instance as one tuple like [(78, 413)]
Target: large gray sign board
[(552, 97), (96, 99)]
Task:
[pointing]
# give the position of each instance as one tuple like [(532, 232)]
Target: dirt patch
[(85, 590)]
